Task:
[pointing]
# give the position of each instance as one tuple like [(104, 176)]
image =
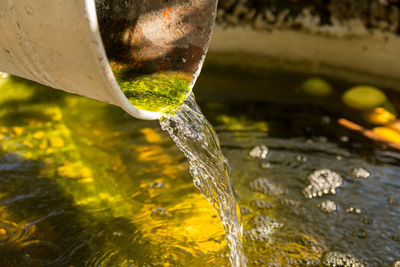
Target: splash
[(196, 138)]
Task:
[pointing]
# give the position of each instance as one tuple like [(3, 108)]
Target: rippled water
[(196, 138), (84, 184)]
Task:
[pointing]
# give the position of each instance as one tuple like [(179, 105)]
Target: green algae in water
[(156, 92)]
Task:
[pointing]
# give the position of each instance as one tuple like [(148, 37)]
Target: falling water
[(195, 136)]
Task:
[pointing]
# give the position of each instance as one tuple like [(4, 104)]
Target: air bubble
[(257, 235), (354, 210), (261, 204), (290, 202), (265, 186), (336, 259), (392, 201), (265, 221), (301, 158), (327, 206), (326, 120), (360, 173), (344, 139), (322, 182), (260, 152), (246, 211), (264, 227), (265, 165)]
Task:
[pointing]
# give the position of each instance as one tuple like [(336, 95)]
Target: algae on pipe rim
[(157, 92), (161, 92)]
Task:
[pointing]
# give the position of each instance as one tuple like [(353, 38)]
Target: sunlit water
[(84, 184), (210, 170)]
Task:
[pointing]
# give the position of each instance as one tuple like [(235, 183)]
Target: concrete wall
[(352, 39), (332, 17)]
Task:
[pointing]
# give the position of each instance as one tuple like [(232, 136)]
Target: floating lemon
[(379, 116), (363, 97), (317, 87), (395, 125), (387, 134)]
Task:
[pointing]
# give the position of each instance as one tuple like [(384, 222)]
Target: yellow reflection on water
[(107, 170), (192, 221)]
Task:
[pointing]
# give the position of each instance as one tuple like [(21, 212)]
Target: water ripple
[(10, 232), (41, 252), (103, 258)]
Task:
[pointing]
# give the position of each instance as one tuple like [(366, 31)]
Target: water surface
[(81, 182)]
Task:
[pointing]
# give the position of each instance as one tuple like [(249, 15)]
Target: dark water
[(82, 183)]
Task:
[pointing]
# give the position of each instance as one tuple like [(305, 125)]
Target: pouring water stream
[(196, 138)]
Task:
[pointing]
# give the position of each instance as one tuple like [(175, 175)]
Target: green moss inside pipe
[(157, 92)]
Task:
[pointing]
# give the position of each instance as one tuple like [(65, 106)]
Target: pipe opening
[(156, 47)]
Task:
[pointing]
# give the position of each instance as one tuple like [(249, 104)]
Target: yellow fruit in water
[(387, 134), (316, 87), (363, 97), (395, 125), (379, 116)]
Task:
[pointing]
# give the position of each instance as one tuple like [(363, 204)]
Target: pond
[(83, 183)]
